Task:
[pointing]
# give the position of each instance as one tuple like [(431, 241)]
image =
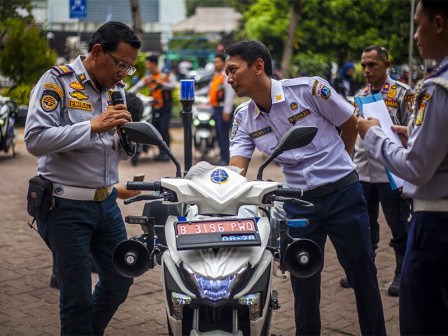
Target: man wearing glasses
[(74, 130)]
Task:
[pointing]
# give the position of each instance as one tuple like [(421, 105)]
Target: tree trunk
[(289, 44), (136, 18)]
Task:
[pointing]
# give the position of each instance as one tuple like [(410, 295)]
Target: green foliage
[(8, 9), (316, 64), (267, 21), (25, 55), (21, 94), (339, 29)]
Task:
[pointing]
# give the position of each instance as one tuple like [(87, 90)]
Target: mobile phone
[(139, 177)]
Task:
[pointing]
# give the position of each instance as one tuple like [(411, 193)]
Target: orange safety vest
[(160, 97), (216, 93)]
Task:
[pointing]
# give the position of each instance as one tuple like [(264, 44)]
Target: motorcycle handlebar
[(289, 192), (152, 186)]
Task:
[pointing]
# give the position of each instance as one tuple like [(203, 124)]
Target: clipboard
[(374, 106)]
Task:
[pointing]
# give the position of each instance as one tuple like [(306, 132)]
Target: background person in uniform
[(221, 96), (323, 170), (399, 99), (161, 87), (71, 128), (424, 167)]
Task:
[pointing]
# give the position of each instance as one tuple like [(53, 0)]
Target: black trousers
[(424, 279), (396, 210)]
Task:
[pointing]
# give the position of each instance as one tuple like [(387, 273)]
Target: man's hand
[(364, 125), (225, 117), (114, 116), (402, 132)]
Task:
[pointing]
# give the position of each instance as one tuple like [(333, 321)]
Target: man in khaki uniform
[(398, 98)]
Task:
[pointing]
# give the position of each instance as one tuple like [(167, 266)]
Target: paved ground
[(28, 306)]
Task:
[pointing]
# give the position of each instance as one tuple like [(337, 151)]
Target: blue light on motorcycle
[(253, 301), (214, 289), (187, 89)]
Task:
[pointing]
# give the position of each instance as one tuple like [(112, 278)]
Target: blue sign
[(78, 9)]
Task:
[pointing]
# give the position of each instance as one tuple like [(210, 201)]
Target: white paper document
[(374, 106)]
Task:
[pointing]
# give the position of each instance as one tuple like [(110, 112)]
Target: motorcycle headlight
[(253, 301), (212, 122), (178, 300), (215, 290), (203, 116), (196, 122)]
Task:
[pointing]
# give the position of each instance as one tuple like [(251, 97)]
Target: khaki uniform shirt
[(399, 99), (58, 129)]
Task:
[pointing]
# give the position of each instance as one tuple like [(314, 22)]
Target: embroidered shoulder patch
[(410, 98), (121, 84), (63, 69), (321, 90), (49, 101), (235, 127), (76, 104), (261, 132), (54, 87), (296, 117), (423, 98)]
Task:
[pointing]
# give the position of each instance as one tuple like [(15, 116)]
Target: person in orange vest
[(160, 86), (221, 97)]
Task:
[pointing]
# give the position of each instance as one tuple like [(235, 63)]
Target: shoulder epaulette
[(403, 85), (241, 106), (295, 81), (63, 69), (121, 84), (442, 82)]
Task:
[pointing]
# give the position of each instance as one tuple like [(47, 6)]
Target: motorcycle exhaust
[(132, 257)]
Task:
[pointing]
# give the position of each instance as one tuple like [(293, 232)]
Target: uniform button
[(274, 118), (310, 183), (265, 145), (297, 155)]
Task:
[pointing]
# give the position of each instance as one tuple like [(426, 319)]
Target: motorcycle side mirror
[(295, 137), (146, 133)]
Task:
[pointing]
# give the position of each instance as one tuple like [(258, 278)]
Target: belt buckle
[(101, 194)]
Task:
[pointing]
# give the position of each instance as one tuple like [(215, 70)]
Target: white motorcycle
[(217, 264)]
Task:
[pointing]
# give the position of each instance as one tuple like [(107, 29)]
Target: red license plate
[(193, 228)]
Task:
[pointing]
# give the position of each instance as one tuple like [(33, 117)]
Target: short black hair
[(432, 8), (110, 34), (152, 59), (382, 52), (221, 56), (250, 51)]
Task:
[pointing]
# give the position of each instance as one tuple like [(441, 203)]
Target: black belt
[(332, 187)]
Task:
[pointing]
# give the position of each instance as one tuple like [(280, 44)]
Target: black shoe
[(344, 283), (54, 281), (394, 288)]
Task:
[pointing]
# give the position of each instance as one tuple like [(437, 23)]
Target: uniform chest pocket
[(79, 111), (265, 140)]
